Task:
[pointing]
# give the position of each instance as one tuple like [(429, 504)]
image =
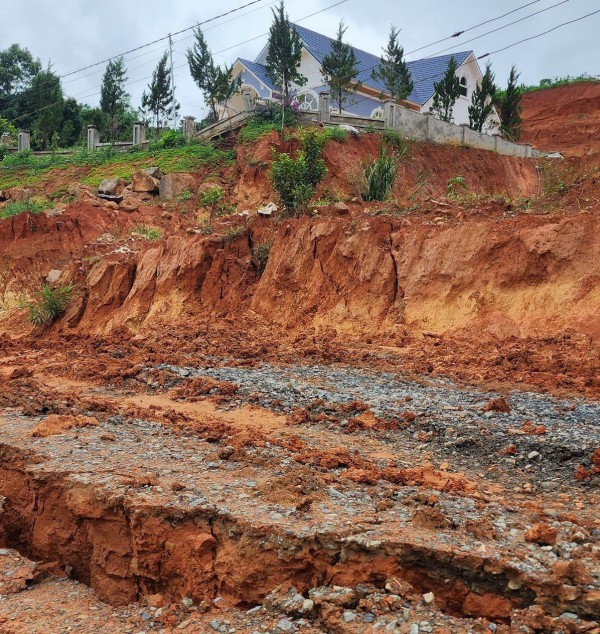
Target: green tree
[(340, 68), (72, 125), (447, 91), (284, 53), (393, 70), (482, 104), (160, 99), (114, 100), (17, 70), (46, 103), (510, 107), (215, 82)]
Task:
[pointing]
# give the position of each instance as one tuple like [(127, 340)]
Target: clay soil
[(391, 426)]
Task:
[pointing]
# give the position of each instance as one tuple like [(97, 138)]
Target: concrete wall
[(425, 127)]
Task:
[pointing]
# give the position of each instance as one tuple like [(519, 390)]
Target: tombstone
[(389, 113), (93, 137), (24, 140), (324, 115), (189, 127), (139, 133)]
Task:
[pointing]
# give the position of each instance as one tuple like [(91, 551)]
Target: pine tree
[(446, 92), (482, 104), (284, 53), (340, 68), (160, 100), (46, 97), (113, 98), (393, 70), (510, 107), (215, 82)]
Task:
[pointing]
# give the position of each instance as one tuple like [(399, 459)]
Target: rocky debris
[(16, 572), (340, 208), (111, 187), (4, 195), (130, 204), (446, 418), (84, 195), (53, 276), (20, 194), (496, 405), (146, 180), (267, 210), (174, 185), (543, 534)]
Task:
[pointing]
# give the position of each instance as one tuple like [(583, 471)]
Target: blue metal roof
[(424, 72), (261, 73)]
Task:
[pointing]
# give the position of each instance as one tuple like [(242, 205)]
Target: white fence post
[(139, 133), (189, 127), (389, 113), (324, 115), (24, 140), (93, 138)]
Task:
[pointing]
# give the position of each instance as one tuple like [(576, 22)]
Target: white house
[(367, 99)]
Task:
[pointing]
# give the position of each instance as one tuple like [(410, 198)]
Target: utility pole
[(172, 82)]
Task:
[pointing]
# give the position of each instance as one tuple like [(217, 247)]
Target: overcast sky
[(72, 34)]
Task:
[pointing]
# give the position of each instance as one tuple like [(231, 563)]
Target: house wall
[(460, 113)]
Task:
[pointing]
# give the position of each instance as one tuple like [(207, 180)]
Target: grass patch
[(260, 255), (25, 168), (379, 176), (48, 304), (151, 233), (33, 206), (255, 128)]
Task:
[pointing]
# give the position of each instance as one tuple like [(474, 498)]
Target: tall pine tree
[(482, 104), (159, 99), (510, 107), (284, 53), (46, 98), (340, 69), (393, 70), (215, 82), (113, 97), (446, 92)]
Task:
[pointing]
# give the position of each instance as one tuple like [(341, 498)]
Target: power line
[(142, 46), (533, 37), (499, 28), (471, 28)]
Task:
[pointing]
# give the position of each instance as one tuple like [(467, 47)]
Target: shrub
[(455, 186), (48, 304), (336, 134), (16, 207), (151, 233), (295, 180), (379, 176), (211, 196), (260, 255), (169, 139)]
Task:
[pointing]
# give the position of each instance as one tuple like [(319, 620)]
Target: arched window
[(463, 86), (309, 102), (377, 114)]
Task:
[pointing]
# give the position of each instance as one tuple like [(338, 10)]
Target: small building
[(367, 99)]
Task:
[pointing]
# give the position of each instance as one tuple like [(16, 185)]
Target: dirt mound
[(564, 119)]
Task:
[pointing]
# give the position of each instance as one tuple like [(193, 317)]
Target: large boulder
[(174, 185), (111, 186), (144, 181)]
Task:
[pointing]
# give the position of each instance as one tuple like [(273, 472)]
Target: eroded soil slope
[(389, 423)]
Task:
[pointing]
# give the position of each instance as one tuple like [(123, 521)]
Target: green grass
[(25, 168), (151, 233), (16, 207), (254, 129), (48, 304)]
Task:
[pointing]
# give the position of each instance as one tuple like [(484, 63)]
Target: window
[(377, 113), (463, 86), (308, 101)]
